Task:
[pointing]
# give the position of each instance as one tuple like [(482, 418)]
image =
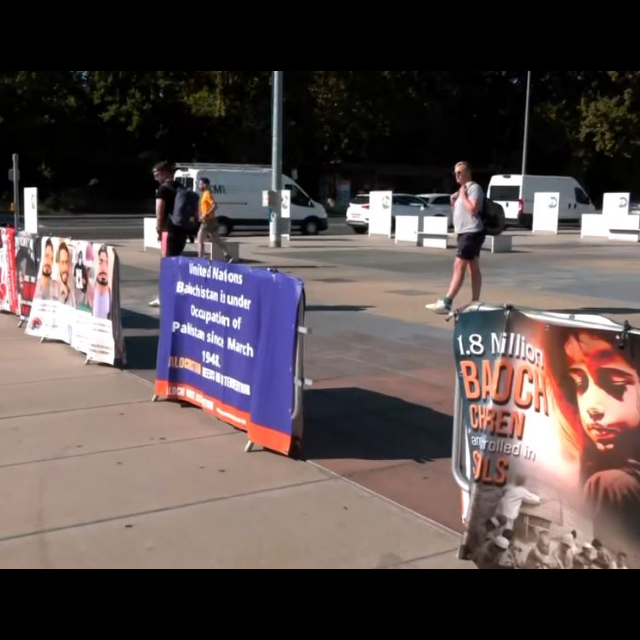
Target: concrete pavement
[(92, 475)]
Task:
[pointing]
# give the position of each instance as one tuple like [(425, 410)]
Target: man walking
[(467, 204), (208, 223), (164, 173)]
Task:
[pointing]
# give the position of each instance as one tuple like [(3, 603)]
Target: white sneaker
[(155, 304), (440, 308)]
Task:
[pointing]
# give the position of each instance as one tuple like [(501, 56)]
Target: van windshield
[(298, 196), (186, 182), (505, 194)]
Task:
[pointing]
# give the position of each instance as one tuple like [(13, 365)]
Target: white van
[(238, 191), (517, 194)]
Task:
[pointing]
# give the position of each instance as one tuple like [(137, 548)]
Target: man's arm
[(471, 199), (161, 207), (532, 499)]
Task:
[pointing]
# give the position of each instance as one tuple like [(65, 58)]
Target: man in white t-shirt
[(468, 205)]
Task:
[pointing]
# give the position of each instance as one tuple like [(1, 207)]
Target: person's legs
[(444, 305), (459, 273), (476, 279), (155, 303), (202, 238), (176, 243), (217, 240)]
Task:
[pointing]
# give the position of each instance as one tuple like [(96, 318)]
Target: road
[(126, 227)]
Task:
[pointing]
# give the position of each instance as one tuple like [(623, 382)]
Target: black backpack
[(493, 218), (186, 210)]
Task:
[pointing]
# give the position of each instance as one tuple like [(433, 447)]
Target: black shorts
[(176, 243), (470, 245)]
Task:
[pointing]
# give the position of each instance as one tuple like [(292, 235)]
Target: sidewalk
[(92, 475)]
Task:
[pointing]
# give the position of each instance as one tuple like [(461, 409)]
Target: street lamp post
[(275, 234), (527, 117)]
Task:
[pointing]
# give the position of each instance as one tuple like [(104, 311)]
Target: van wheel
[(225, 227), (310, 227), (360, 230)]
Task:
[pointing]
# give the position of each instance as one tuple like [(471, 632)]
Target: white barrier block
[(499, 244), (595, 225), (381, 213), (546, 213), (624, 228), (31, 211), (435, 233), (408, 229), (151, 235), (616, 204)]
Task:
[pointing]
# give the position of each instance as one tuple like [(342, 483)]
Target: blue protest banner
[(228, 344)]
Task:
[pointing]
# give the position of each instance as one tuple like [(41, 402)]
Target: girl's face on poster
[(607, 390)]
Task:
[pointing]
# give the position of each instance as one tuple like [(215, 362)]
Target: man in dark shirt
[(165, 200), (164, 173)]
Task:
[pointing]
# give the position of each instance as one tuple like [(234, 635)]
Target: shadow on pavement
[(142, 352), (364, 425), (133, 320), (336, 308)]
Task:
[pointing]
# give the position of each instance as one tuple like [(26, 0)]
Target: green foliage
[(94, 134)]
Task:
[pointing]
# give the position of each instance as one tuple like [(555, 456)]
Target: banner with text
[(551, 412), (77, 298), (228, 345), (8, 275), (27, 259)]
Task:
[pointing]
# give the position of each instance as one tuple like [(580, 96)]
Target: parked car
[(440, 203)]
